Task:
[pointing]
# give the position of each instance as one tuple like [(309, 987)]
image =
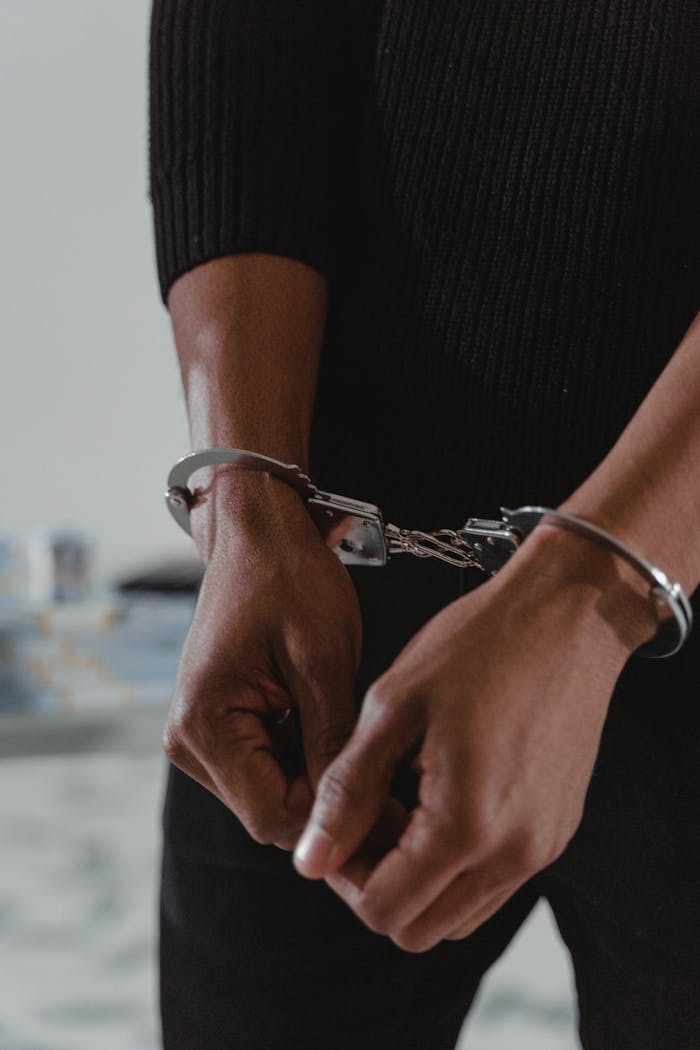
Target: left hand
[(500, 699)]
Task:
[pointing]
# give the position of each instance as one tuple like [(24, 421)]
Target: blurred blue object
[(118, 649)]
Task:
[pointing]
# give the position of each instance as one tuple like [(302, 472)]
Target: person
[(444, 258)]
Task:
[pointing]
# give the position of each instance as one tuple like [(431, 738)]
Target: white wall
[(91, 410)]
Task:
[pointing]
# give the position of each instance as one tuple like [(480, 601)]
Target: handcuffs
[(357, 534)]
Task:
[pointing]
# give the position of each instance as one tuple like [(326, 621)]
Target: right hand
[(277, 626)]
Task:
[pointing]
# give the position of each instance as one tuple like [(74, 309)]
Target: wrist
[(287, 441), (234, 503), (606, 591)]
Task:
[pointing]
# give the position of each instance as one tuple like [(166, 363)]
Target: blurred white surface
[(77, 902), (78, 887), (527, 1001)]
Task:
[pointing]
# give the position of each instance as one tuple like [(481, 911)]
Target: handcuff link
[(357, 534)]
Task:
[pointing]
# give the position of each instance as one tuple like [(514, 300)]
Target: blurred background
[(96, 581)]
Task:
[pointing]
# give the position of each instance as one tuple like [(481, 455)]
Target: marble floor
[(79, 835)]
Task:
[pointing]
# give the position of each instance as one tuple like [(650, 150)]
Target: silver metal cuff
[(675, 627), (358, 535)]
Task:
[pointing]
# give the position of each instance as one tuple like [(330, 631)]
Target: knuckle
[(526, 856), (192, 721), (479, 829), (381, 703), (444, 841), (337, 789), (465, 829), (376, 914), (182, 716), (379, 698), (174, 745), (413, 941), (532, 851), (263, 830), (556, 848), (286, 842)]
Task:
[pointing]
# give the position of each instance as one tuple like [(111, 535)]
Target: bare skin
[(499, 700), (277, 626), (503, 695), (277, 623)]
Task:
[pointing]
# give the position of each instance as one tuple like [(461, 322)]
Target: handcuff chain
[(358, 535), (446, 544)]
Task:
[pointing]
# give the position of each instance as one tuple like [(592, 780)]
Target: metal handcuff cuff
[(357, 534)]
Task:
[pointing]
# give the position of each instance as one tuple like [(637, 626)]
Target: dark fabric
[(626, 893), (505, 198), (255, 958)]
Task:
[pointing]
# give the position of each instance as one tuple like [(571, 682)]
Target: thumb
[(354, 789)]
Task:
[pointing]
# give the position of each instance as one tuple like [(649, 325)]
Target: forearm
[(242, 104), (249, 155), (248, 331), (647, 489)]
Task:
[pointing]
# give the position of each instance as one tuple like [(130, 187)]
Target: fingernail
[(315, 852)]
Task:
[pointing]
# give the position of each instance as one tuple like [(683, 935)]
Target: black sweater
[(504, 195)]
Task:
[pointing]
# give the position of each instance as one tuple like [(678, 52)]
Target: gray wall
[(90, 402)]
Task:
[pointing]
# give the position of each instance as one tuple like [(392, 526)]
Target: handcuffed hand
[(277, 627), (499, 701)]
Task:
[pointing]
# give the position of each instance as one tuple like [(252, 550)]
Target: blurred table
[(94, 674)]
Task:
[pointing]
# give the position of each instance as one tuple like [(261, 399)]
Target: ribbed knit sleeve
[(241, 117)]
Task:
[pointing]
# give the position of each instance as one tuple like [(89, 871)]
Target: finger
[(247, 772), (325, 693), (288, 842), (469, 899), (236, 750), (298, 799), (354, 789), (478, 918), (181, 757), (406, 881), (446, 835), (382, 838)]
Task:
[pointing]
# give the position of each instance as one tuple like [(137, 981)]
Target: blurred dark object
[(171, 576)]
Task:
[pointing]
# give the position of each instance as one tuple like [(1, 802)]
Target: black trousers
[(253, 957)]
